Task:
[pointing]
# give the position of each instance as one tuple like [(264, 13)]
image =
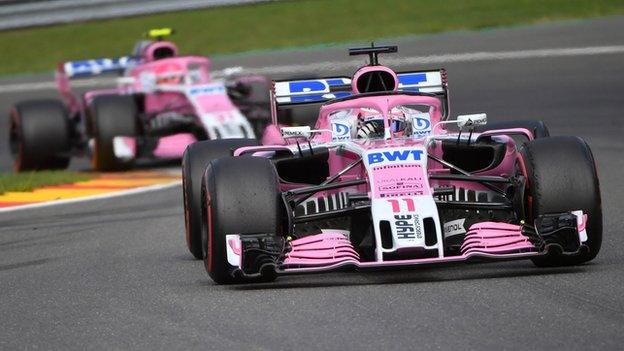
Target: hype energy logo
[(380, 157)]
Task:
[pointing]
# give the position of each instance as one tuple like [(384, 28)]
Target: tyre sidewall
[(237, 210), (194, 161), (39, 135), (562, 177), (111, 116)]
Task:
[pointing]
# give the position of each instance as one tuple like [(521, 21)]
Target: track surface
[(115, 274)]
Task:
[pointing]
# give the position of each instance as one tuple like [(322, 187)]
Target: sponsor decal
[(419, 234), (292, 133), (400, 187), (421, 124), (97, 66), (401, 184), (207, 89), (341, 131), (454, 227), (397, 205), (408, 227), (394, 156), (429, 82), (412, 79), (295, 132), (399, 180), (311, 90), (404, 227)]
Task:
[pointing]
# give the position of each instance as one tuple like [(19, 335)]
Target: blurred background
[(114, 274)]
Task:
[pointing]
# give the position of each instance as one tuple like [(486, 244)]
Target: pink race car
[(163, 103), (382, 181)]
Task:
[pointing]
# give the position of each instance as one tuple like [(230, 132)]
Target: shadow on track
[(434, 275)]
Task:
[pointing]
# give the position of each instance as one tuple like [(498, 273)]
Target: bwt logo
[(315, 90), (399, 155), (421, 123), (208, 89), (341, 129)]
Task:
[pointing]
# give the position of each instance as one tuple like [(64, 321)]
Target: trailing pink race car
[(163, 103), (382, 181)]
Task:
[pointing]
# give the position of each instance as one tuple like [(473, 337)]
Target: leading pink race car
[(382, 181), (163, 103)]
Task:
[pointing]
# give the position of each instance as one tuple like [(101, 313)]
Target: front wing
[(563, 233)]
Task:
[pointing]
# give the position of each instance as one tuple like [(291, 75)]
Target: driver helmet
[(371, 124)]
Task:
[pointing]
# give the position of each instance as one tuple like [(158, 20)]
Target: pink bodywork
[(332, 249), (164, 84)]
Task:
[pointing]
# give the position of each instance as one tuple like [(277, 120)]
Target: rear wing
[(69, 70), (314, 91), (310, 91), (96, 67)]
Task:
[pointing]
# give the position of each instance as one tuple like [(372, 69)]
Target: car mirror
[(296, 132)]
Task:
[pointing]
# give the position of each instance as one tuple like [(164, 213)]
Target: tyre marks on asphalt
[(7, 267)]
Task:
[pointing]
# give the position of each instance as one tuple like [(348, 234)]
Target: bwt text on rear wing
[(313, 91), (69, 70), (96, 67)]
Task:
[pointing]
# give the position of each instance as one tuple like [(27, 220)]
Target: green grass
[(27, 181), (282, 24)]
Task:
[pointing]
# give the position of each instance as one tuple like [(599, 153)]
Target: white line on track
[(84, 83), (446, 58), (91, 198), (342, 65)]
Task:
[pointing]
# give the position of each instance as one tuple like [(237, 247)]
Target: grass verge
[(281, 24), (27, 181)]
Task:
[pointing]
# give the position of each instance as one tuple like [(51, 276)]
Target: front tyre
[(194, 161), (562, 177), (111, 116), (241, 196)]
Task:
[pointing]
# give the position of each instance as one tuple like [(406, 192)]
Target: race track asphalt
[(115, 274)]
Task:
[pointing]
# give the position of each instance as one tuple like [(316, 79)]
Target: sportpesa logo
[(394, 156)]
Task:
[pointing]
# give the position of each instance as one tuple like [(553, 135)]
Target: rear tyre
[(241, 196), (562, 177), (111, 116), (39, 135), (194, 161)]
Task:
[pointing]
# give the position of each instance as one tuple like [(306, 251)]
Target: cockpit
[(369, 123)]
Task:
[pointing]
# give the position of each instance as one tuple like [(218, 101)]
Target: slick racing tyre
[(536, 127), (39, 135), (562, 177), (240, 196), (196, 158), (111, 116)]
